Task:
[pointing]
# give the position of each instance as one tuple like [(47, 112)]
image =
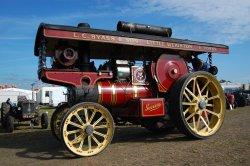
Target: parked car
[(242, 98), (24, 110), (247, 95)]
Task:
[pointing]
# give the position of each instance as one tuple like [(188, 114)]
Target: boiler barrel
[(120, 93), (144, 29)]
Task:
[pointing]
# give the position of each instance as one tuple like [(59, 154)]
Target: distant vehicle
[(24, 110), (247, 96), (242, 98)]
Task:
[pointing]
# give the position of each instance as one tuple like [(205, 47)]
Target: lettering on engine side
[(152, 107), (130, 41)]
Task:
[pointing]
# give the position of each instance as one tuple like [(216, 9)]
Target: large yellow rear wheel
[(87, 129), (197, 104)]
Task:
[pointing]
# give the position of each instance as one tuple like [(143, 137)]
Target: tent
[(13, 94)]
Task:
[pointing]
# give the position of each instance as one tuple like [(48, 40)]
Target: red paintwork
[(120, 93), (63, 34), (168, 69), (73, 78), (152, 107)]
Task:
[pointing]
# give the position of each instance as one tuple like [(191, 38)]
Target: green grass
[(47, 109)]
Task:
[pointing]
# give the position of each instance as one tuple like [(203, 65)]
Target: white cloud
[(228, 19), (223, 21)]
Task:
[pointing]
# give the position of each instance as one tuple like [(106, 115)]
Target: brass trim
[(135, 89), (99, 87), (113, 97)]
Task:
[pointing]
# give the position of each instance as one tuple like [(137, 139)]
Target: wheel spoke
[(92, 117), (190, 116), (98, 121), (208, 122), (186, 111), (98, 133), (193, 122), (79, 119), (213, 97), (73, 131), (213, 113), (89, 142), (86, 115), (188, 103), (76, 125), (198, 88), (77, 139), (96, 141), (198, 123), (204, 87), (209, 105), (81, 143), (101, 126), (207, 93), (203, 120), (191, 93), (185, 94), (194, 85)]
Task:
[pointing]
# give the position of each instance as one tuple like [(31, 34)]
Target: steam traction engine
[(137, 74)]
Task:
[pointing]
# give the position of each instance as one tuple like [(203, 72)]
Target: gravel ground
[(136, 146)]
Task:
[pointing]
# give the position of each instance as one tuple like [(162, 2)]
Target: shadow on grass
[(41, 145), (37, 144)]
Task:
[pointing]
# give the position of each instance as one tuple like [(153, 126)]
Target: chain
[(210, 59)]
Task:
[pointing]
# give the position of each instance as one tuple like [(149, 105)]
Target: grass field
[(135, 146)]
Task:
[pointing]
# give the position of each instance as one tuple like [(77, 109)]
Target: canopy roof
[(105, 43)]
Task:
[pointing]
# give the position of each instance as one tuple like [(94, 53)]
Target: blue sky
[(218, 21)]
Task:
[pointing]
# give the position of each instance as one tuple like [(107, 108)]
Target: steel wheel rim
[(203, 106), (88, 129)]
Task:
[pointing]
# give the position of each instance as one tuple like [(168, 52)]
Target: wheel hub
[(89, 130), (202, 104)]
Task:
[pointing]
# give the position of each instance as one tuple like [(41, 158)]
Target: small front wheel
[(87, 129)]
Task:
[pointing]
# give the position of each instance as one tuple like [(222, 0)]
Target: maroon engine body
[(138, 72)]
